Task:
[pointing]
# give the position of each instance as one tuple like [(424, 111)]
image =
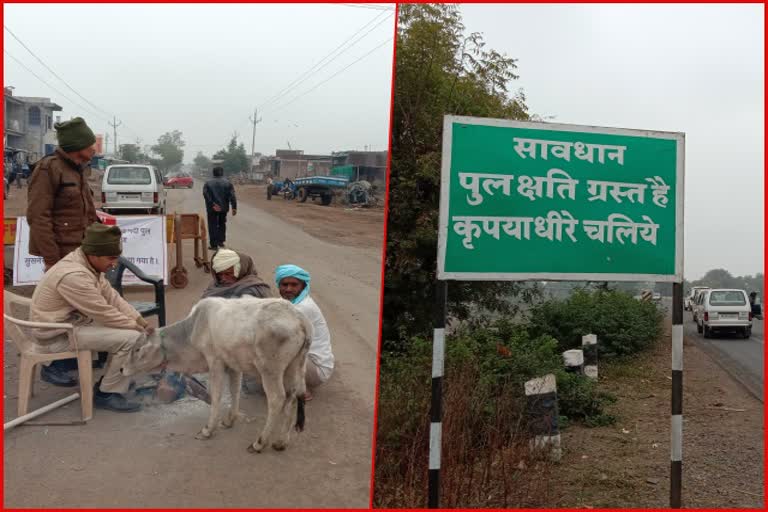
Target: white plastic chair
[(16, 314)]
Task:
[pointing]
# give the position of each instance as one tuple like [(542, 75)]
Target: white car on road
[(695, 300), (691, 298), (723, 310), (132, 187)]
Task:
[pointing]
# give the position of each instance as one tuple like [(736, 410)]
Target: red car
[(179, 181)]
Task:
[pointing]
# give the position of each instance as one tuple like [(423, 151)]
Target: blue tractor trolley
[(319, 186)]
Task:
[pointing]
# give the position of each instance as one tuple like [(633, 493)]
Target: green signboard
[(524, 200)]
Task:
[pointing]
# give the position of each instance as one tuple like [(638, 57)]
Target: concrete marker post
[(541, 394), (574, 361), (589, 345)]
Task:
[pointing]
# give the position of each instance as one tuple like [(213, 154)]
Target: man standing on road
[(59, 201), (218, 194), (60, 208), (76, 291), (293, 284)]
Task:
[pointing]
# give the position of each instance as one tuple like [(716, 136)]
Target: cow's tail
[(300, 413)]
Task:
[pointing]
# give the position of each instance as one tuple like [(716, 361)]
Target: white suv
[(132, 187), (724, 310), (689, 300), (695, 301)]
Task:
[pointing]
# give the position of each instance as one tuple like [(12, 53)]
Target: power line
[(53, 72), (307, 74), (290, 86), (369, 6), (332, 76), (63, 81), (52, 87)]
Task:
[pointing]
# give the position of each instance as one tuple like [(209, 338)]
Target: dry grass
[(485, 459)]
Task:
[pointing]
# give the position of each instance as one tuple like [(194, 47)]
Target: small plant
[(579, 400)]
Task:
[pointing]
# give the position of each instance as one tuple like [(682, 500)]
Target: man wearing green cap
[(60, 202), (76, 291)]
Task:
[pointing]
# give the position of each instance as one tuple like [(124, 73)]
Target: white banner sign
[(144, 244)]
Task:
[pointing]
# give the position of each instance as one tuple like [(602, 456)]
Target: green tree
[(721, 278), (234, 156), (755, 283), (202, 162), (170, 149), (439, 71), (130, 152)]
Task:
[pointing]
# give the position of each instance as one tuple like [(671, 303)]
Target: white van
[(724, 310), (691, 298), (132, 187)]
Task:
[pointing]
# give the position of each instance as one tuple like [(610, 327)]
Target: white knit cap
[(224, 259)]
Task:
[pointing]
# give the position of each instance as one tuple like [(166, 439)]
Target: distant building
[(294, 163), (28, 126), (370, 166)]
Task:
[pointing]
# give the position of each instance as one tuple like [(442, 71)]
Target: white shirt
[(320, 348)]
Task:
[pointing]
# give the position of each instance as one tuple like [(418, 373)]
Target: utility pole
[(114, 126), (106, 143), (255, 120)]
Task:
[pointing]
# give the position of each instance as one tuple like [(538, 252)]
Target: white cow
[(233, 336)]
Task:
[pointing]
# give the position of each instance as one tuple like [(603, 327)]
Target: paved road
[(743, 359)]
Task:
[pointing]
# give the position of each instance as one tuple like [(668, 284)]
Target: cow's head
[(146, 355)]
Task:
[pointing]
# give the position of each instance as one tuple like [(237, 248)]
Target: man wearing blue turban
[(293, 284)]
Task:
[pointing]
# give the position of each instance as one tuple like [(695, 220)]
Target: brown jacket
[(59, 207), (73, 292)]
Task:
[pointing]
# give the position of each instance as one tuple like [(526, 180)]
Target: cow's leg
[(216, 380), (286, 419), (293, 411), (275, 391), (235, 381)]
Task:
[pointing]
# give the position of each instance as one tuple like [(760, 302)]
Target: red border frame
[(383, 263), (381, 305)]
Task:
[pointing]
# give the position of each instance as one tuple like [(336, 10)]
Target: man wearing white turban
[(235, 276)]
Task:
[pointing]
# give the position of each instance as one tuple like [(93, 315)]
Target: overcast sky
[(202, 69), (697, 69)]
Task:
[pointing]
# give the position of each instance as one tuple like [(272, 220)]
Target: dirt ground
[(627, 464), (356, 227), (151, 459)]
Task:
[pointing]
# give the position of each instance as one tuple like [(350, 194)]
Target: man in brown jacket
[(60, 202), (76, 291), (59, 208)]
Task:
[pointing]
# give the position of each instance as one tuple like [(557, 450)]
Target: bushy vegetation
[(623, 325)]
